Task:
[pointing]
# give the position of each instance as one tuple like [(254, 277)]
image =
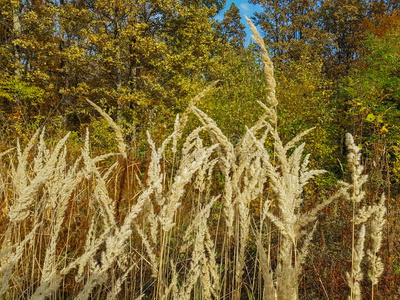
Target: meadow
[(202, 218)]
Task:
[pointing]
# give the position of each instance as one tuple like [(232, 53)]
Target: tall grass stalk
[(374, 214)]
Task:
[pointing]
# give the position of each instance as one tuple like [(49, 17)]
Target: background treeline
[(337, 67)]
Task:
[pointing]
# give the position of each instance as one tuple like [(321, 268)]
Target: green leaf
[(370, 118)]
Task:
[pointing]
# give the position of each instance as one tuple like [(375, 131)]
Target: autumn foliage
[(107, 79)]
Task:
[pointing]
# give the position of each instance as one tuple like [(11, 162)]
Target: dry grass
[(178, 232)]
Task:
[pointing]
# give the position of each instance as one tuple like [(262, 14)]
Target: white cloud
[(244, 6)]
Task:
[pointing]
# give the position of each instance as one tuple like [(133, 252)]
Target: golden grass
[(72, 229)]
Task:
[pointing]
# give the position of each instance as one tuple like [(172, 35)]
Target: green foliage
[(307, 102), (233, 103), (372, 90), (13, 89), (20, 106)]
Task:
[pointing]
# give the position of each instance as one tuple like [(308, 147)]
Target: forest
[(152, 150)]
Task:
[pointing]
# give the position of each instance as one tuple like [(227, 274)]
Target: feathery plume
[(118, 133), (377, 223), (268, 66), (356, 276)]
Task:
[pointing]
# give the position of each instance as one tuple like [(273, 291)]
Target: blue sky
[(245, 9)]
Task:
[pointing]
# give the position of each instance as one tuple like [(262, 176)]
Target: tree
[(291, 28), (232, 28), (343, 19), (331, 29), (141, 60)]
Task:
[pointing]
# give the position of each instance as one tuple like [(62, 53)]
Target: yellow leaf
[(384, 130)]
